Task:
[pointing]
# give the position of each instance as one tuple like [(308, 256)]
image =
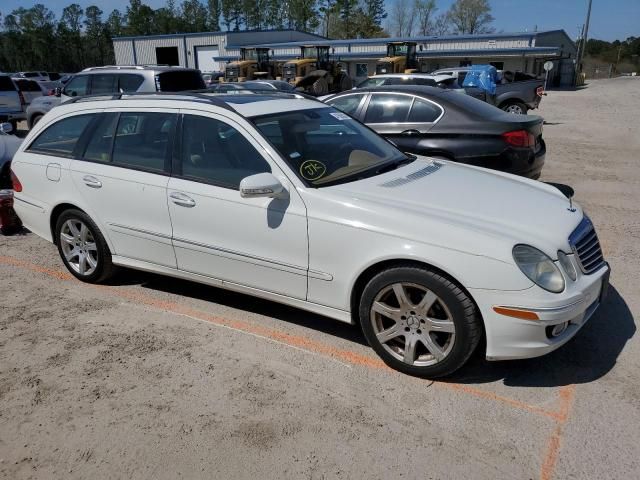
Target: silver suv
[(119, 79), (11, 101)]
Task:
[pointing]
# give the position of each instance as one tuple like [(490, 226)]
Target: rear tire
[(517, 108), (345, 82), (419, 322), (82, 247)]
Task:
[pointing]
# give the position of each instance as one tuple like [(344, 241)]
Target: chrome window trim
[(413, 99)]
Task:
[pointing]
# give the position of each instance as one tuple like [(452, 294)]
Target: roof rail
[(203, 96), (178, 96)]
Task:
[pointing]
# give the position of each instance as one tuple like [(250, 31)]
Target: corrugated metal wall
[(123, 50)]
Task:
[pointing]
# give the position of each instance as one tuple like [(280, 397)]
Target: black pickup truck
[(516, 92)]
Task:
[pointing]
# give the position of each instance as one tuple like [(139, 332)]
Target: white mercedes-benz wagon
[(288, 199)]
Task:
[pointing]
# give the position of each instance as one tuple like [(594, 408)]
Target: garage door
[(204, 58)]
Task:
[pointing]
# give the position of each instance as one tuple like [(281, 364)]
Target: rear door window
[(103, 83), (424, 112), (128, 82), (101, 139), (62, 137), (77, 86), (143, 140), (347, 103), (179, 80), (388, 108)]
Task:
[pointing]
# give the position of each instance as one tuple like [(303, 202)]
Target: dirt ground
[(157, 378)]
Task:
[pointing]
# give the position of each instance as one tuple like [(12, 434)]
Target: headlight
[(539, 268), (567, 265)]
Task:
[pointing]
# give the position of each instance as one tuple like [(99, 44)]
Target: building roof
[(417, 39), (228, 32)]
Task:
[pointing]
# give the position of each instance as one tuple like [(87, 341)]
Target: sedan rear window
[(179, 81)]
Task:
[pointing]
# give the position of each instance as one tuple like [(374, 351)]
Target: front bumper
[(513, 338)]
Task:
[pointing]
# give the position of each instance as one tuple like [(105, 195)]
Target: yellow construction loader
[(401, 58), (254, 63), (313, 72)]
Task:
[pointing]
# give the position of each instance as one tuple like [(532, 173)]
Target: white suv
[(286, 198)]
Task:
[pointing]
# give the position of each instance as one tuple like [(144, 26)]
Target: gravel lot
[(158, 378)]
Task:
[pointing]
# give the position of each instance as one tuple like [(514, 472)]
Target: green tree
[(193, 16), (214, 15), (115, 23), (425, 11), (471, 16), (139, 18)]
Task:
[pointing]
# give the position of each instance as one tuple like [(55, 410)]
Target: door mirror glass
[(262, 185), (6, 127)]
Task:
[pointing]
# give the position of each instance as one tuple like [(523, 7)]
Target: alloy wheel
[(413, 324), (517, 109), (79, 247)]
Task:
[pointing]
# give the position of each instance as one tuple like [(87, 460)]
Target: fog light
[(559, 329)]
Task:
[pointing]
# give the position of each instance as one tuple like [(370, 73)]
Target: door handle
[(91, 181), (182, 199), (410, 133)]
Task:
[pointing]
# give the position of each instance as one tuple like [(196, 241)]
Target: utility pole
[(585, 36)]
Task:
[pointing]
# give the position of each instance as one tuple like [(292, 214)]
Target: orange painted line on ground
[(567, 396), (343, 355)]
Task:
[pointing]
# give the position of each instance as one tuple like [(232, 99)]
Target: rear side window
[(179, 80), (348, 103), (217, 153), (143, 140), (77, 86), (6, 85), (128, 82), (103, 83), (61, 137), (387, 108), (422, 111)]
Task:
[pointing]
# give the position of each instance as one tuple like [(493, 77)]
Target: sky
[(610, 19)]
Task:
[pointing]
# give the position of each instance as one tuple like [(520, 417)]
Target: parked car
[(286, 198), (237, 87), (9, 221), (38, 76), (515, 92), (106, 80), (11, 101), (279, 85), (30, 89), (212, 78), (441, 123), (442, 81)]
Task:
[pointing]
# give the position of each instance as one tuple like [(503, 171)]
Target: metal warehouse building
[(524, 52)]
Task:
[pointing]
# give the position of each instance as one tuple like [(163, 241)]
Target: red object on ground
[(9, 221)]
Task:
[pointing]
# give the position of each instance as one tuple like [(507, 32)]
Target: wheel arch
[(55, 214), (372, 270)]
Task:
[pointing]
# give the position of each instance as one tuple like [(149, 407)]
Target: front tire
[(82, 247), (419, 321)]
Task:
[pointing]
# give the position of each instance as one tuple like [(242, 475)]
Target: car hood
[(470, 209)]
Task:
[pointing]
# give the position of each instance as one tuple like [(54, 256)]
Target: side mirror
[(6, 128), (262, 185), (57, 91)]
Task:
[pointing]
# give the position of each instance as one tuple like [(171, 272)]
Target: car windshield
[(325, 146)]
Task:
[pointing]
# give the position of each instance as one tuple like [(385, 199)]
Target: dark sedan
[(444, 123)]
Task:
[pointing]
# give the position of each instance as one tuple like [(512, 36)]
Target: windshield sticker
[(340, 116), (294, 155), (312, 169)]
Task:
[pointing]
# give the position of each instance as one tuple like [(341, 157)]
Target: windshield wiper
[(396, 164)]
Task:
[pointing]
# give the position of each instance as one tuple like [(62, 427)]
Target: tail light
[(22, 101), (52, 91), (540, 91), (15, 182), (519, 138)]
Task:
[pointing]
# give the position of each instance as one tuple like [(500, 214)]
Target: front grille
[(584, 243)]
